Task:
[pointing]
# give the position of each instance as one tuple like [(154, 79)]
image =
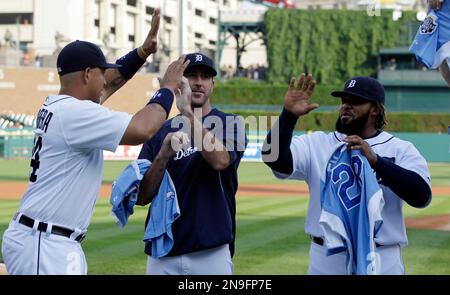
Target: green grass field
[(270, 236)]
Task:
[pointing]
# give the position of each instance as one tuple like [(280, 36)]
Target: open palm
[(183, 95), (297, 97), (151, 42)]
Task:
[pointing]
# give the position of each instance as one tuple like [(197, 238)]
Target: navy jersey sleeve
[(407, 184), (151, 148), (235, 140), (285, 128), (146, 152)]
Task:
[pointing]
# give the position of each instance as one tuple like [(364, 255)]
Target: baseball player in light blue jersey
[(432, 42), (400, 169), (72, 130)]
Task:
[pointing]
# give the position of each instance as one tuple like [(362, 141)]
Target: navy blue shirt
[(206, 197)]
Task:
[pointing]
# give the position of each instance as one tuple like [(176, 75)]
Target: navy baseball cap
[(200, 60), (364, 87), (79, 55)]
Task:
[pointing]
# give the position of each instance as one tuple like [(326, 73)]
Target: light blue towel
[(125, 190), (163, 212)]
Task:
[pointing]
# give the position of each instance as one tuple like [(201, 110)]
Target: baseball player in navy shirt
[(400, 169), (204, 173)]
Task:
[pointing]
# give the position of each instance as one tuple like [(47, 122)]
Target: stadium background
[(270, 213)]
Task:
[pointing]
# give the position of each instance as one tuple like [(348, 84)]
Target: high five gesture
[(297, 97)]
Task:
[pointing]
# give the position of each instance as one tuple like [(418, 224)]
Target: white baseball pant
[(27, 251), (215, 261)]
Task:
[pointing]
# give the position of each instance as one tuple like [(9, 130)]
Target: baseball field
[(270, 219)]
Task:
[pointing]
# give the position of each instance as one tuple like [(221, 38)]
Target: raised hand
[(151, 42), (297, 98), (184, 98), (174, 73)]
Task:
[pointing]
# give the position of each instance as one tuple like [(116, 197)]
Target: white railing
[(242, 16)]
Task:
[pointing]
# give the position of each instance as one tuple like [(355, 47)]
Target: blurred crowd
[(392, 64), (252, 72), (10, 119)]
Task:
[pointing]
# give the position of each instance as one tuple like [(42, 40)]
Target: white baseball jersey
[(67, 162), (311, 152)]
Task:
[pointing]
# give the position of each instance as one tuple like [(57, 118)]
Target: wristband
[(163, 97), (130, 64), (143, 52), (288, 120)]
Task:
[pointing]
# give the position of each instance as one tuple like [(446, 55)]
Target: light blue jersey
[(164, 208), (432, 42), (163, 213), (352, 202), (125, 190)]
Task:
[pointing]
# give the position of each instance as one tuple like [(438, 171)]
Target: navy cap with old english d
[(79, 55), (199, 60), (364, 87)]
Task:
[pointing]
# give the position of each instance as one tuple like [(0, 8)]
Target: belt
[(42, 226), (319, 241)]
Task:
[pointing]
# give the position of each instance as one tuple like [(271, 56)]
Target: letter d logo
[(351, 84)]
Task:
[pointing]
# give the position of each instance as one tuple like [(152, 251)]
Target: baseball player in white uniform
[(400, 169), (72, 130)]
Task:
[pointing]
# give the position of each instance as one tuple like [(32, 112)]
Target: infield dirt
[(14, 191)]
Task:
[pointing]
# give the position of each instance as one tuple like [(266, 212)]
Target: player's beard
[(196, 103), (354, 127)]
